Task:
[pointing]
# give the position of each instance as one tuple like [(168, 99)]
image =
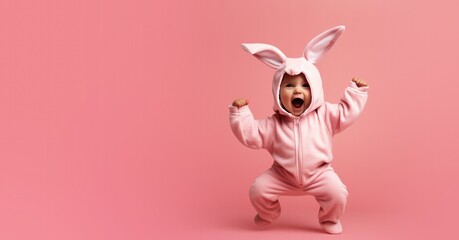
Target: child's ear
[(319, 46), (268, 54)]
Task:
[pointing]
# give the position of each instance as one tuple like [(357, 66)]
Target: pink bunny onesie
[(301, 146)]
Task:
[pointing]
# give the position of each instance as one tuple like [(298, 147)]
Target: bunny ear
[(268, 54), (319, 46)]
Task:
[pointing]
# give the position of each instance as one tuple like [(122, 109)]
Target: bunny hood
[(314, 51)]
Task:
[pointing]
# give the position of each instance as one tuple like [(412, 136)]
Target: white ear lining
[(322, 43), (314, 51), (270, 55)]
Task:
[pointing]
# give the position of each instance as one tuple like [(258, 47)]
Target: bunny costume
[(301, 146)]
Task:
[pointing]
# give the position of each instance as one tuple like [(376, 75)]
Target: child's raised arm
[(342, 115)]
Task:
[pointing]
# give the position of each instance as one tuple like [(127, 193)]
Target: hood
[(314, 51), (295, 66)]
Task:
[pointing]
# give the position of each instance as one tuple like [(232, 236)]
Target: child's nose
[(297, 90)]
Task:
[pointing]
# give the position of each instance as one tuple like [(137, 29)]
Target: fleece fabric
[(300, 145)]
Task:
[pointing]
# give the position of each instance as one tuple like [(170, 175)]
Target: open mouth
[(297, 102)]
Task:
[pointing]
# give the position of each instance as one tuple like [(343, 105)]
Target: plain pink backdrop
[(114, 119)]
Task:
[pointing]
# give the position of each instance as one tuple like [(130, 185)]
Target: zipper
[(298, 150)]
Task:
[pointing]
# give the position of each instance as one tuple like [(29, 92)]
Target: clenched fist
[(240, 102), (360, 82)]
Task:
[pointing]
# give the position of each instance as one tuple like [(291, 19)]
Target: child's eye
[(306, 85), (289, 85)]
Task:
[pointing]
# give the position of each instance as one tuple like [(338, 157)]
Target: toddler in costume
[(299, 134)]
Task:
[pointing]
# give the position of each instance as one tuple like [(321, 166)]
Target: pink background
[(114, 119)]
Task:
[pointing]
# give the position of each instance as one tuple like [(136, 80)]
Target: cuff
[(236, 110)]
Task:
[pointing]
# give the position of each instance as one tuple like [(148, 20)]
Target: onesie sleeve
[(249, 131), (341, 115)]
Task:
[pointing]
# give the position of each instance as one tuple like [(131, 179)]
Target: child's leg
[(331, 194), (264, 195)]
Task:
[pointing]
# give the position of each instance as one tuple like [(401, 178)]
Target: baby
[(299, 134)]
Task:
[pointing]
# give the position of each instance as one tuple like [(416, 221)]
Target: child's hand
[(240, 102), (360, 82)]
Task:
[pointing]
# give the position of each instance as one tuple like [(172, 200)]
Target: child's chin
[(297, 113)]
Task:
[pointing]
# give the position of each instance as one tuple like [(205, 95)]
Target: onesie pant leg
[(331, 194), (264, 195)]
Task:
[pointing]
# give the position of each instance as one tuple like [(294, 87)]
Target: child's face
[(295, 94)]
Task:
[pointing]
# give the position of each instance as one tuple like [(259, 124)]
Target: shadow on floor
[(279, 225)]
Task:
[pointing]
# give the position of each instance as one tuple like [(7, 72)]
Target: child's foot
[(332, 228), (260, 221)]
